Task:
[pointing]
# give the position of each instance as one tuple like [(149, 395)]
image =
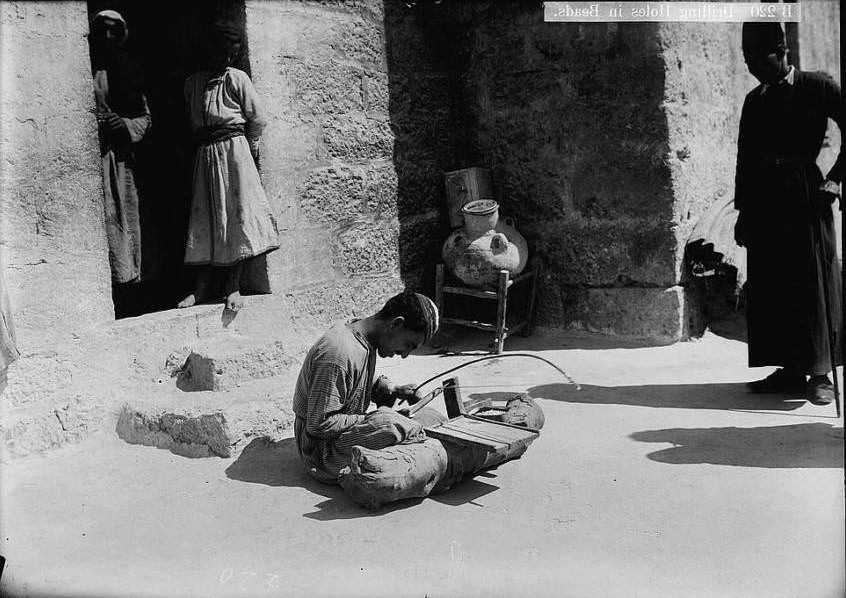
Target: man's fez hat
[(762, 38)]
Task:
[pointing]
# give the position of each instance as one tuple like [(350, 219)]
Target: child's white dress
[(230, 217)]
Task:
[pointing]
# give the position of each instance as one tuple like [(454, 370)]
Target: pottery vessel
[(476, 252)]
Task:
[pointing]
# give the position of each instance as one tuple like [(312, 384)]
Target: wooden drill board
[(491, 436)]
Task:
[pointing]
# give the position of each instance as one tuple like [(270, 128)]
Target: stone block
[(226, 363), (590, 252), (326, 304), (360, 40), (406, 45), (367, 249), (377, 93), (420, 117), (343, 193), (656, 314), (329, 87), (421, 240), (357, 136), (301, 259), (420, 187)]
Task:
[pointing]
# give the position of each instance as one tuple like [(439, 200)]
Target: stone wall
[(51, 216), (706, 82), (607, 142), (568, 116), (569, 119), (327, 167), (425, 62)]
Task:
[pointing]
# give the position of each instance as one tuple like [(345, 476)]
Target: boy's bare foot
[(234, 301), (188, 301)]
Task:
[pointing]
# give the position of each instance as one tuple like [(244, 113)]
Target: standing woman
[(231, 220)]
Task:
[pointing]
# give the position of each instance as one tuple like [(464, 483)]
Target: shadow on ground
[(459, 340), (727, 396), (264, 461), (794, 446)]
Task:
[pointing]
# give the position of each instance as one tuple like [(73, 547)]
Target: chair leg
[(530, 313), (439, 289), (502, 301)]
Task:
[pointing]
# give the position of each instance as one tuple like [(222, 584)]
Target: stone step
[(210, 423), (62, 393), (48, 424), (225, 363)]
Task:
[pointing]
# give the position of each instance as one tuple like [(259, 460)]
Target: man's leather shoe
[(780, 380), (820, 390)]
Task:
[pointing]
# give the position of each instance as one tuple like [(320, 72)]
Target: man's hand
[(111, 121)]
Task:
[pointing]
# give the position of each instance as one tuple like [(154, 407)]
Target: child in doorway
[(231, 220)]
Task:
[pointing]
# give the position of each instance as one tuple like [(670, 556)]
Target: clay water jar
[(476, 252)]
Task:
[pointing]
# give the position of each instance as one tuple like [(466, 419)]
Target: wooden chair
[(504, 285)]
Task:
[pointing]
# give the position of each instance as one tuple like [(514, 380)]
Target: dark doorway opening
[(167, 46)]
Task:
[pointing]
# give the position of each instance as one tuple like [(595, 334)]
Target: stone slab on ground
[(209, 424)]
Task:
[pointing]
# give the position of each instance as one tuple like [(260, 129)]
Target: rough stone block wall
[(327, 166), (423, 64), (569, 117), (607, 143), (52, 234)]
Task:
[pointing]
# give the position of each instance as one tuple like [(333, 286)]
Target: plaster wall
[(706, 82), (51, 216), (819, 50), (819, 37)]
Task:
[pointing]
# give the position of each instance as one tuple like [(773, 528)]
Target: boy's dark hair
[(417, 311)]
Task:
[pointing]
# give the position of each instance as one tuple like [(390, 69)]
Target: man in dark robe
[(785, 219)]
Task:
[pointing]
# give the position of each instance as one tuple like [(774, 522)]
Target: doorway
[(167, 45)]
